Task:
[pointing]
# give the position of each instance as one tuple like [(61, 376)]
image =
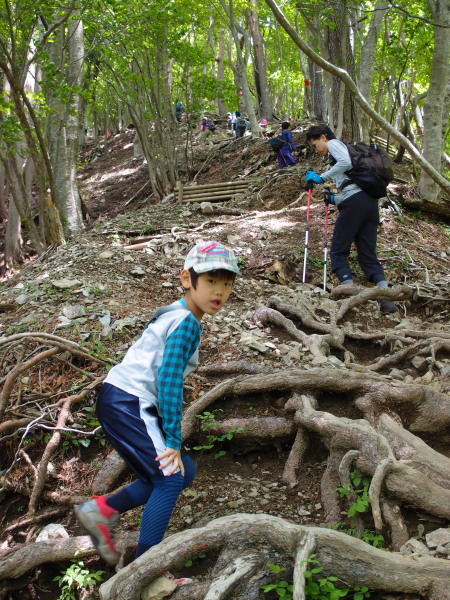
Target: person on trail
[(140, 403), (284, 154), (358, 218), (179, 108), (206, 130), (239, 125)]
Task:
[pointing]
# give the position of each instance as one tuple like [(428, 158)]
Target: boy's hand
[(173, 458)]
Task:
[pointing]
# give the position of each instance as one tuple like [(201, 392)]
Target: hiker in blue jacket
[(284, 154), (358, 218)]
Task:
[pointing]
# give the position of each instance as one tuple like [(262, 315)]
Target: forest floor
[(111, 290)]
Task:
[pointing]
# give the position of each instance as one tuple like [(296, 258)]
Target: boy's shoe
[(182, 581), (99, 528), (386, 307)]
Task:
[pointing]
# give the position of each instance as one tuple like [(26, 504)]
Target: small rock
[(65, 284), (303, 512), (420, 363), (106, 254), (137, 272), (159, 588), (428, 377), (397, 374), (52, 531), (413, 546), (21, 299), (439, 537), (72, 311), (206, 208)]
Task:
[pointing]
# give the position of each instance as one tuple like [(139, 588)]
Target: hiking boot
[(99, 528), (386, 307), (182, 581)]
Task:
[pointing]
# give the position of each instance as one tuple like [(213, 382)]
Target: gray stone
[(445, 370), (65, 284), (159, 588), (137, 272), (21, 299), (52, 531), (72, 311), (206, 208), (397, 374), (334, 360), (106, 254), (413, 546), (303, 512), (439, 537), (419, 362)]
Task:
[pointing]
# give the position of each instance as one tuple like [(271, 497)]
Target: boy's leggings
[(159, 498)]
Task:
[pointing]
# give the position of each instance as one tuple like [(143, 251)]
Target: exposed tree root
[(335, 551)]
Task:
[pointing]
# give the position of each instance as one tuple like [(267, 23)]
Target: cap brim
[(205, 268)]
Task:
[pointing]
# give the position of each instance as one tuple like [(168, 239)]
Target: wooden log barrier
[(214, 192)]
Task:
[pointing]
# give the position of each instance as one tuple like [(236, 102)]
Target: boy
[(140, 403), (358, 214)]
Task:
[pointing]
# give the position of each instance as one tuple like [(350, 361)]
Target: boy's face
[(210, 294)]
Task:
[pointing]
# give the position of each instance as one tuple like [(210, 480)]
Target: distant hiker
[(284, 154), (230, 120), (239, 125), (358, 218), (179, 109), (140, 404), (206, 130)]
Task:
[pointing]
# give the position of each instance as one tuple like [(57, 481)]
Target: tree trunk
[(221, 108), (433, 139), (264, 100), (366, 62)]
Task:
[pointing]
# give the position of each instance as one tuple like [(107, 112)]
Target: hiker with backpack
[(239, 125), (358, 218), (179, 109), (207, 128), (284, 146)]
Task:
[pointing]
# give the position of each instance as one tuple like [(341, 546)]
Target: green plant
[(282, 588), (362, 500), (209, 420), (316, 588), (148, 229), (241, 261), (373, 539), (97, 290), (190, 562), (76, 578)]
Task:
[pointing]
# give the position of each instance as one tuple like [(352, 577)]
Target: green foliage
[(316, 588), (75, 579), (362, 501), (209, 420), (283, 588), (373, 539), (190, 562)]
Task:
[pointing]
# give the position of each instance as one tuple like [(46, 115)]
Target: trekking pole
[(326, 199), (309, 186)]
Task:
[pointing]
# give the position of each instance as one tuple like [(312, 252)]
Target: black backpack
[(276, 143), (210, 125), (241, 124), (371, 168)]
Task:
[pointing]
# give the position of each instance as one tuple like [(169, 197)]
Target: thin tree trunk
[(264, 100), (433, 140)]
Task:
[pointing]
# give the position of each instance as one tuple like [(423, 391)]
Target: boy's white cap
[(211, 256)]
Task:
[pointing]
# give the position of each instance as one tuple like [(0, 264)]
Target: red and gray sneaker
[(182, 581), (92, 515)]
